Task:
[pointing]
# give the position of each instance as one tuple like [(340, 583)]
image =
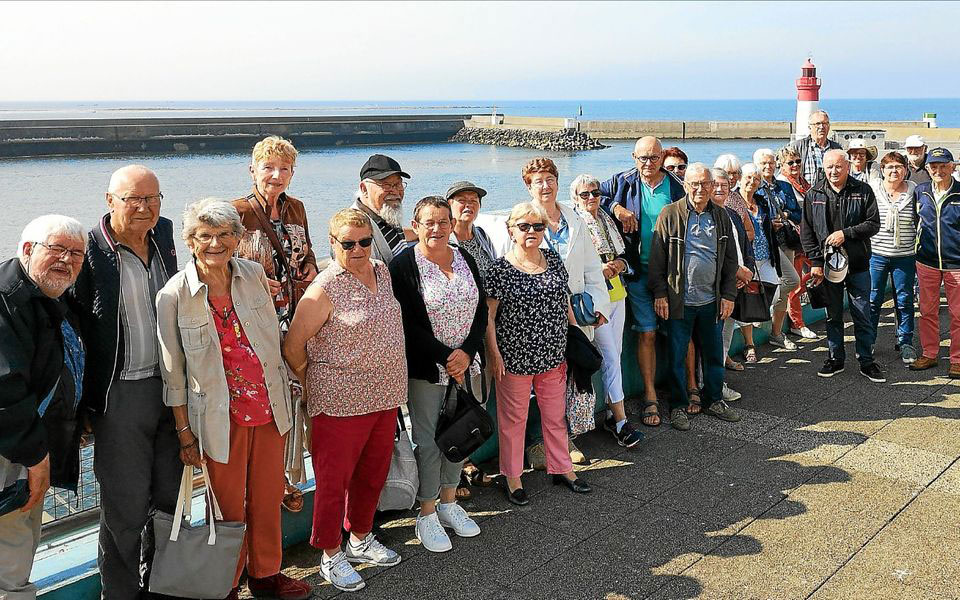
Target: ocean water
[(325, 179), (781, 109)]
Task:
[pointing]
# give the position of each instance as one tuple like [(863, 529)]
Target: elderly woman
[(732, 167), (529, 311), (675, 161), (226, 382), (444, 319), (894, 250), (465, 198), (346, 345), (765, 249), (863, 166), (792, 173), (585, 196), (566, 235), (277, 236), (783, 212)]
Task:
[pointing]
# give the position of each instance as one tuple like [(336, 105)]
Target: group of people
[(252, 351)]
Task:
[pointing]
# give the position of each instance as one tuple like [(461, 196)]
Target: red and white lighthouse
[(808, 98)]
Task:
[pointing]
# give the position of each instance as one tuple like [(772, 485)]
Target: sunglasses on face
[(525, 227), (586, 195), (792, 163), (348, 245), (671, 168)]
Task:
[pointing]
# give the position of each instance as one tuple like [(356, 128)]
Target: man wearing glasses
[(380, 197), (635, 199), (812, 148), (130, 256)]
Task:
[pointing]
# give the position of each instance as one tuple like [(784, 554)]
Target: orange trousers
[(250, 488)]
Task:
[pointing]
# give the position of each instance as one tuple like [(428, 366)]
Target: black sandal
[(698, 403), (647, 414)]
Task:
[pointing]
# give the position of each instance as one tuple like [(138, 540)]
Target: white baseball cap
[(914, 141), (835, 264)]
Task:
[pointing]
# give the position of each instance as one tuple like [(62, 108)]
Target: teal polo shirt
[(652, 202)]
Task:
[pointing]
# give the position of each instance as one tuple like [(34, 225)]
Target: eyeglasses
[(63, 252), (443, 224), (586, 195), (549, 183), (672, 168), (894, 167), (400, 185), (348, 245), (647, 159), (207, 238), (699, 184), (525, 227), (792, 163), (138, 201), (820, 124)]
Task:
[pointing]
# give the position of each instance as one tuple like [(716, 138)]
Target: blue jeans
[(700, 321), (904, 271), (858, 290), (641, 303)]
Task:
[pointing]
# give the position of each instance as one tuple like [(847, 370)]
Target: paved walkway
[(828, 488)]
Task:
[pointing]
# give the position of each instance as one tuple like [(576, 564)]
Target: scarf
[(800, 184), (891, 220), (603, 232)]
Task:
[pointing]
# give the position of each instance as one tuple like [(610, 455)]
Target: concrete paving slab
[(721, 498), (894, 461), (762, 464), (810, 443), (862, 495), (694, 448), (933, 434), (948, 482), (643, 479)]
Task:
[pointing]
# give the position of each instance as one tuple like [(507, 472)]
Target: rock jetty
[(567, 140)]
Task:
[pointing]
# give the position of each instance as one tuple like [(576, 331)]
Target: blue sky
[(413, 50)]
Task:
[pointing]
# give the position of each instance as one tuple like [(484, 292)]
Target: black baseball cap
[(379, 166), (465, 186)]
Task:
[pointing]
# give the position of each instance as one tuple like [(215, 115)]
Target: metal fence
[(59, 503)]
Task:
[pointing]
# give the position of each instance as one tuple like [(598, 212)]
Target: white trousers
[(609, 340)]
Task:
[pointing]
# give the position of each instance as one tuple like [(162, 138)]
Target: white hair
[(213, 212), (41, 228), (749, 169), (727, 162), (719, 173), (817, 112), (581, 181), (835, 152), (762, 152), (697, 167)]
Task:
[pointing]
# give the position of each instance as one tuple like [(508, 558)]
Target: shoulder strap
[(267, 228)]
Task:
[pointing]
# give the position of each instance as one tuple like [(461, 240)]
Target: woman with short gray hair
[(227, 384)]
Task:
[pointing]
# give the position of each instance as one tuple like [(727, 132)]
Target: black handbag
[(788, 236), (819, 294), (753, 302), (464, 424)]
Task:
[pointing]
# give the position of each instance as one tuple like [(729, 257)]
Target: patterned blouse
[(356, 363), (249, 400), (451, 303), (531, 318), (477, 253)]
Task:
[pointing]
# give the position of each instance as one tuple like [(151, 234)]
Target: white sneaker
[(340, 573), (783, 342), (431, 534), (730, 395), (372, 552), (454, 517), (804, 332)]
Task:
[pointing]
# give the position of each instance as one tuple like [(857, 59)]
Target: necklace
[(525, 265), (225, 317)]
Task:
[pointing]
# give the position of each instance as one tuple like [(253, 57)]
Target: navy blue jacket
[(857, 217), (617, 191), (938, 229)]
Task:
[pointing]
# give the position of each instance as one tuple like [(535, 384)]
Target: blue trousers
[(701, 322), (857, 286), (904, 271)]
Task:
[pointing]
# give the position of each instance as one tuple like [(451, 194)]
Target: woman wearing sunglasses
[(585, 195), (444, 318), (529, 311), (346, 345), (791, 172)]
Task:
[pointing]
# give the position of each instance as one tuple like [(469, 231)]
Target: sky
[(172, 51)]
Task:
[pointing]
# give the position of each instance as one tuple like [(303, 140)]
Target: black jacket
[(31, 364), (854, 211), (746, 248), (97, 297), (424, 351)]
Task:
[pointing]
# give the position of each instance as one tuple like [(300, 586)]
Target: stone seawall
[(567, 140)]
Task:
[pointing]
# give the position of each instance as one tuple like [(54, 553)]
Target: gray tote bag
[(195, 561), (400, 490)]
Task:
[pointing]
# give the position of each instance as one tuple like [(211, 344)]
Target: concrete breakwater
[(109, 136), (564, 140)]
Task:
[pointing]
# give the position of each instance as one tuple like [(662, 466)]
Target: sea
[(325, 179)]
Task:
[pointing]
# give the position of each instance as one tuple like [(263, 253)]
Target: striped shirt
[(139, 285), (813, 165), (898, 226), (393, 235)]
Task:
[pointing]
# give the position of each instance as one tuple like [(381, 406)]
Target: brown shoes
[(279, 586), (923, 363), (954, 370)]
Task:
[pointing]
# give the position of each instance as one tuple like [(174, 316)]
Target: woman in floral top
[(527, 341), (444, 319)]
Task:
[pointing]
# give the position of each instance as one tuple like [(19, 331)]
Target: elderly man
[(41, 377), (839, 218), (635, 198), (130, 256), (811, 149), (694, 285), (916, 149), (938, 259), (380, 197)]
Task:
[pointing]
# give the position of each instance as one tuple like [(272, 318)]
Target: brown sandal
[(649, 415), (293, 499), (694, 406)]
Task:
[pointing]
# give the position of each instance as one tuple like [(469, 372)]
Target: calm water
[(325, 179)]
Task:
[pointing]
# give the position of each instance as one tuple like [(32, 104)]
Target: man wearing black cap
[(381, 198), (841, 212)]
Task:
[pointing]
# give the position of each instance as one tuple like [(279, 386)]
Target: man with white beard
[(381, 198)]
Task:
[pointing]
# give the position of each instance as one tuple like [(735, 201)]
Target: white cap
[(914, 141), (835, 264)]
